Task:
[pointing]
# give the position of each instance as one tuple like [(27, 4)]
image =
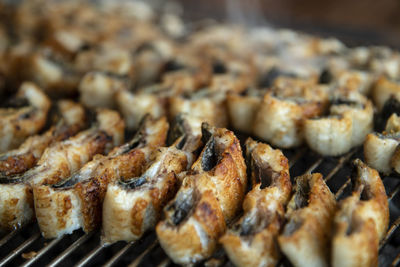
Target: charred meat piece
[(361, 221), (306, 236), (280, 118), (349, 122), (19, 123), (242, 109), (206, 104), (383, 89), (209, 198), (26, 156), (133, 205), (58, 162), (135, 106), (252, 241), (80, 196)]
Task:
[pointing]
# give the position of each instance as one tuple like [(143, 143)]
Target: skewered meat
[(242, 109), (208, 199), (76, 202), (252, 241), (57, 163), (97, 89), (282, 111), (135, 106), (133, 205), (305, 238), (350, 121), (23, 158), (19, 123), (361, 220), (208, 105)]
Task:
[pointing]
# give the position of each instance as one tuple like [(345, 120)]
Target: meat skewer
[(252, 241), (361, 220), (20, 123), (209, 198), (57, 163), (23, 158), (306, 236), (80, 197), (133, 204)]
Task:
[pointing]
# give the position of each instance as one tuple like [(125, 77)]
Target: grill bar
[(70, 249), (390, 233), (43, 251), (342, 188), (396, 261), (9, 236), (342, 160), (297, 156), (91, 255), (394, 192), (117, 256), (137, 261), (19, 249)]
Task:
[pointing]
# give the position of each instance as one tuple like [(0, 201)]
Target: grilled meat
[(361, 221), (280, 117), (252, 241), (76, 202), (57, 163), (26, 156), (208, 199), (20, 123), (306, 236)]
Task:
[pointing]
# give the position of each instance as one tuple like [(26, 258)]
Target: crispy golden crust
[(141, 198), (305, 238), (242, 110), (88, 186), (207, 105), (280, 117), (379, 150), (383, 90), (20, 123), (27, 155), (210, 197), (361, 220), (135, 106), (252, 241), (59, 161)]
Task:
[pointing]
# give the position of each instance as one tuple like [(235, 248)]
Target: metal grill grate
[(26, 247)]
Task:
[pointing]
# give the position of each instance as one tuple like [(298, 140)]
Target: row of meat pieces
[(70, 181)]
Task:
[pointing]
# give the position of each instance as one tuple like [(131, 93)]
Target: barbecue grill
[(26, 246)]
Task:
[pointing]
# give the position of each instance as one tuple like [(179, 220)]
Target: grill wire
[(26, 247)]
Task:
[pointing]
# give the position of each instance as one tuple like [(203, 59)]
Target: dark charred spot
[(133, 183), (71, 181), (182, 209), (210, 158), (26, 115), (341, 101), (176, 130), (302, 192), (206, 133), (392, 105), (268, 79), (219, 67), (291, 227), (15, 102), (173, 65), (85, 47), (325, 77), (144, 47)]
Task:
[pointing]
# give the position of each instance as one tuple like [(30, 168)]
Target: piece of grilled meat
[(26, 156), (133, 205), (77, 201), (252, 241), (18, 123), (209, 198), (306, 236), (361, 221), (57, 163)]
